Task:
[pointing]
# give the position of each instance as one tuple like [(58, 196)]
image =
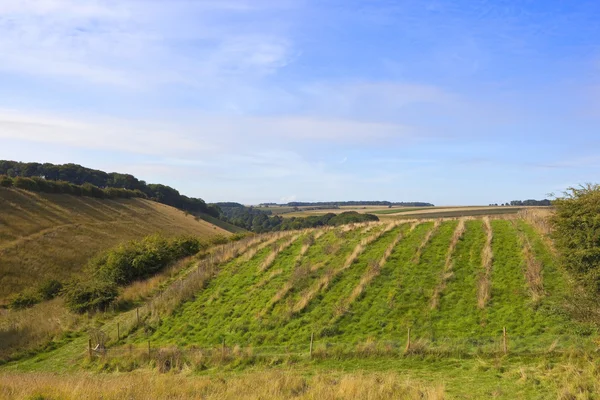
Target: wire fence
[(323, 348)]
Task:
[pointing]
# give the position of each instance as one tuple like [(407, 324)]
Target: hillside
[(424, 300), (455, 280), (53, 235)]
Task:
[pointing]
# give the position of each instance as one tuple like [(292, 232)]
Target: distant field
[(414, 212), (398, 210), (46, 236), (456, 212)]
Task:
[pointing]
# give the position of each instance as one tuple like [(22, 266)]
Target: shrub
[(50, 289), (24, 300), (6, 181), (26, 184), (143, 258), (577, 233), (95, 294)]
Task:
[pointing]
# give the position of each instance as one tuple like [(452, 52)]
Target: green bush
[(140, 259), (26, 184), (577, 233), (90, 295), (6, 181), (25, 299), (50, 289)]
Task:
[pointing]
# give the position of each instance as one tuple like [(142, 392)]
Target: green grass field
[(357, 291)]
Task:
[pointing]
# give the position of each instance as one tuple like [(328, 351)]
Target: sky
[(454, 103)]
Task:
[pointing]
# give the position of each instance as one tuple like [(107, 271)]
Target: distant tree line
[(37, 184), (78, 175), (260, 221), (358, 203), (544, 203)]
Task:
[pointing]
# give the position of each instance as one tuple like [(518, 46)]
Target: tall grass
[(25, 330), (533, 269), (256, 385), (487, 257), (449, 264)]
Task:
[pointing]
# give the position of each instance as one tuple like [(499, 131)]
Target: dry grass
[(373, 270), (533, 270), (448, 265), (23, 330), (300, 271), (262, 385), (52, 236), (487, 257), (539, 218), (268, 240), (268, 262), (417, 257), (144, 289), (201, 272), (323, 283)]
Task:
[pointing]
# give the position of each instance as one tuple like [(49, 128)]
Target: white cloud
[(136, 44), (201, 134)]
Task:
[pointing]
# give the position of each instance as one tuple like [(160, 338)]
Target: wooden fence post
[(312, 336), (505, 345), (90, 348), (407, 342)]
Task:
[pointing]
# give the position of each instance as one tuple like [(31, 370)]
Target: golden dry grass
[(323, 283), (262, 385), (30, 328), (417, 257), (45, 236), (533, 269), (268, 262), (449, 264), (487, 257), (373, 270)]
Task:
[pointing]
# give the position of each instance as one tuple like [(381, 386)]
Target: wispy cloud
[(118, 43)]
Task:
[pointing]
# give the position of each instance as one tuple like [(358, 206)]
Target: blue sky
[(463, 102)]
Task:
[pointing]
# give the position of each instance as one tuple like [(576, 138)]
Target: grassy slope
[(222, 224), (237, 306), (52, 236)]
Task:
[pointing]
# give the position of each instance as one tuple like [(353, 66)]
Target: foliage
[(359, 203), (140, 259), (30, 297), (128, 262), (87, 295), (37, 184), (90, 182), (50, 289), (25, 299), (577, 233), (260, 221), (530, 202)]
